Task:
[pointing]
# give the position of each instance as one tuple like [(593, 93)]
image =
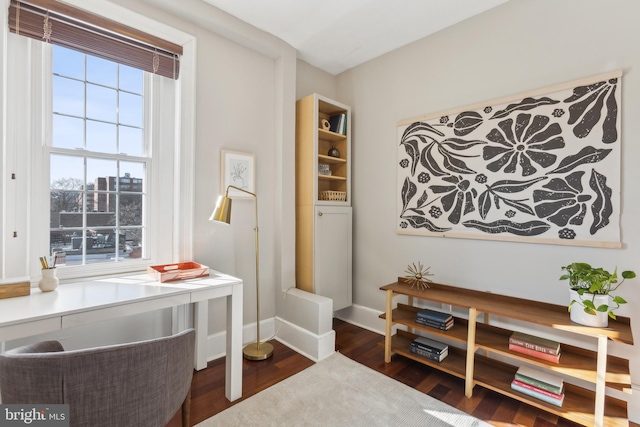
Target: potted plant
[(592, 288)]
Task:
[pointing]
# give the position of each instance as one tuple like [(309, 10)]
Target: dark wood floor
[(363, 346)]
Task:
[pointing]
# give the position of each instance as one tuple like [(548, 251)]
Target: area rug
[(338, 391)]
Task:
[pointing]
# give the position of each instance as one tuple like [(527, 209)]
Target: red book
[(538, 390), (542, 345), (536, 354)]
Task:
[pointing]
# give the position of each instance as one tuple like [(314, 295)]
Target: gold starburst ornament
[(418, 276)]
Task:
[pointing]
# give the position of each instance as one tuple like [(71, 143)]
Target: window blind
[(64, 25)]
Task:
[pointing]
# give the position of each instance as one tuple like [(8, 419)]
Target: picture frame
[(238, 169)]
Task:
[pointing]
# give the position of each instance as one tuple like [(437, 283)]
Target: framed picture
[(238, 169)]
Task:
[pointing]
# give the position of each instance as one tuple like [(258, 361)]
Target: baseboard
[(315, 347), (364, 317), (217, 343)]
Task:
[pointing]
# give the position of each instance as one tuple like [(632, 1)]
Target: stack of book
[(533, 346), (324, 169), (435, 319), (429, 348), (538, 384), (338, 124)]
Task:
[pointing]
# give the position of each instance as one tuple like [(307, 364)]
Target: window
[(154, 207), (97, 151)]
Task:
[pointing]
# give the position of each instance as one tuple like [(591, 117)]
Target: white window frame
[(173, 170), (153, 129)]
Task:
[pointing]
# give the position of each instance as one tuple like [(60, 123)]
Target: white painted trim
[(315, 347), (364, 317), (3, 130)]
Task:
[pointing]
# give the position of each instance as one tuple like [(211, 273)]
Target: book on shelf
[(537, 354), (537, 389), (540, 379), (433, 315), (540, 344), (429, 345), (431, 356), (537, 395), (324, 169), (338, 123), (539, 384), (444, 326)]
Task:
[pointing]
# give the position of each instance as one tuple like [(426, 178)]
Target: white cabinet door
[(332, 247)]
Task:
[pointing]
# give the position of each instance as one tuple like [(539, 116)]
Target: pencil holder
[(49, 281)]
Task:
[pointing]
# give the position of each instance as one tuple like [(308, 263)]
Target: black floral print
[(522, 141)]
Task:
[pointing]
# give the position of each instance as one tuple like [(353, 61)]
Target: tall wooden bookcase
[(323, 199)]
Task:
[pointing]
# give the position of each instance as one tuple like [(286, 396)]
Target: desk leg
[(201, 325), (233, 381)]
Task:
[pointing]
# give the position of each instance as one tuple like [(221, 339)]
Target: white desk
[(80, 303)]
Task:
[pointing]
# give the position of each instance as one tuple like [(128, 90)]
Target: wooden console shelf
[(587, 407)]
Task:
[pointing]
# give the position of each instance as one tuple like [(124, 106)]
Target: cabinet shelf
[(327, 135), (489, 342), (330, 160), (452, 364), (332, 177)]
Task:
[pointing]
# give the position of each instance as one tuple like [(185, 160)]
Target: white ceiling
[(335, 35)]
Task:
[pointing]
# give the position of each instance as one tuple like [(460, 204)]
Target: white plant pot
[(599, 320)]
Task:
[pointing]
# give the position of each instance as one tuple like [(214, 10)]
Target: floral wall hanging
[(540, 167)]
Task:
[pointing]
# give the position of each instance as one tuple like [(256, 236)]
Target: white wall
[(235, 112), (519, 46), (310, 79)]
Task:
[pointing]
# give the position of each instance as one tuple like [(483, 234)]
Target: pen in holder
[(49, 281)]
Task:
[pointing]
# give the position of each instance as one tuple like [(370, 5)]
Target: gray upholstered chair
[(136, 384)]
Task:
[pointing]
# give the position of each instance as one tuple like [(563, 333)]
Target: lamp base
[(258, 351)]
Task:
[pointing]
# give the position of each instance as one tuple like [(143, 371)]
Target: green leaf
[(588, 304), (611, 315), (603, 308), (590, 311), (619, 300), (628, 274)]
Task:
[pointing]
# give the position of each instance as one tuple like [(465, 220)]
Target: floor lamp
[(222, 213)]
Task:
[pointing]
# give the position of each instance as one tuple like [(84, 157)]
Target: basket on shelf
[(336, 196)]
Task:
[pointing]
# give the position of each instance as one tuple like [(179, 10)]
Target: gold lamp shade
[(222, 211)]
